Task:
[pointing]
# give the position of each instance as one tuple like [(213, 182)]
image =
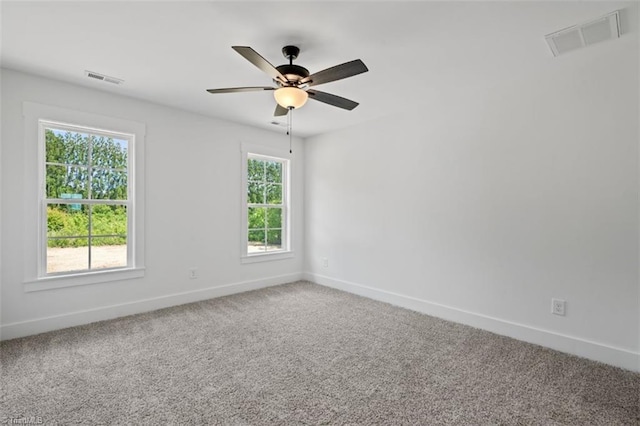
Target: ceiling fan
[(293, 81)]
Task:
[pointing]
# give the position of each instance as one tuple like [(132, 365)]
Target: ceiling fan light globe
[(290, 97)]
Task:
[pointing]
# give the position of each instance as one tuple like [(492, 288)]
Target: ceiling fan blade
[(240, 89), (333, 100), (280, 110), (348, 69), (254, 57)]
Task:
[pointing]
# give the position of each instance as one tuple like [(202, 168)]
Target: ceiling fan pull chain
[(290, 129), (288, 124)]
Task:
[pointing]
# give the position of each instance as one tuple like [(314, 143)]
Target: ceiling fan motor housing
[(293, 73)]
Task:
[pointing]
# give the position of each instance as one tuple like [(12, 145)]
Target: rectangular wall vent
[(102, 77), (572, 38)]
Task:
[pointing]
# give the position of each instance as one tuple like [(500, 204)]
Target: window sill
[(266, 257), (72, 280)]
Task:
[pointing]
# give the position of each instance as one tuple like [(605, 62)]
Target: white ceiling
[(420, 54)]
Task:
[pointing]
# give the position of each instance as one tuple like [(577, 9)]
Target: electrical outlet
[(558, 307), (193, 273), (325, 262)]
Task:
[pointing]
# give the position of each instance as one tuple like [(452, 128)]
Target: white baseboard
[(618, 357), (56, 322)]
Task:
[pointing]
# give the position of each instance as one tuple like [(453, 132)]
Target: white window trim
[(34, 278), (275, 154)]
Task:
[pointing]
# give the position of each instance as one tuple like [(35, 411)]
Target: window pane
[(109, 153), (256, 217), (256, 241), (73, 255), (265, 186), (274, 218), (274, 171), (66, 147), (108, 253), (255, 193), (80, 166), (274, 239), (108, 184), (67, 220), (274, 194), (66, 180), (110, 221), (255, 169)]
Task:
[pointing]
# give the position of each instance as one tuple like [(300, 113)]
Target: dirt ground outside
[(77, 258), (256, 247)]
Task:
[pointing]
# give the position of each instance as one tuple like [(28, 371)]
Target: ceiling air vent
[(601, 29), (102, 77)]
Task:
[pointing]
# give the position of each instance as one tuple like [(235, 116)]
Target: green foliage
[(273, 171), (55, 220), (257, 236), (265, 223), (256, 217), (274, 237), (75, 163), (265, 182), (274, 218), (264, 187), (255, 169), (63, 221), (109, 220), (68, 171)]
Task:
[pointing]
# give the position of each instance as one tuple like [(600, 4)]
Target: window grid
[(89, 203), (266, 214)]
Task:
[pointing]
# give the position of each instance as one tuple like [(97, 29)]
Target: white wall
[(485, 207), (193, 205)]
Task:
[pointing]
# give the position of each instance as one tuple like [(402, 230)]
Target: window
[(87, 201), (84, 180), (266, 212)]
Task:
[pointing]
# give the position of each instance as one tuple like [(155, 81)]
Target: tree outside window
[(266, 204)]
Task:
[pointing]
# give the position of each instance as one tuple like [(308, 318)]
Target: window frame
[(35, 226), (266, 154), (129, 202)]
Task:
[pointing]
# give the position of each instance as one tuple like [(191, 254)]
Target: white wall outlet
[(325, 262), (558, 306), (193, 273)]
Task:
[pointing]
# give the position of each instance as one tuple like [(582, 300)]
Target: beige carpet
[(303, 354)]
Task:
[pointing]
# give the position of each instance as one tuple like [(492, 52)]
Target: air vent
[(102, 77), (277, 123), (572, 38)]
